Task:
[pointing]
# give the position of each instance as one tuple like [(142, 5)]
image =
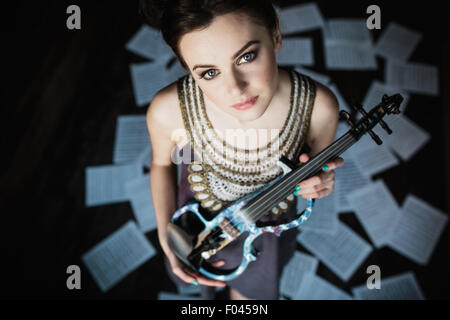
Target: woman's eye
[(208, 72), (211, 73), (249, 56)]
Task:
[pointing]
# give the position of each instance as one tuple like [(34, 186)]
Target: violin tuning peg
[(375, 137), (344, 115), (385, 127)]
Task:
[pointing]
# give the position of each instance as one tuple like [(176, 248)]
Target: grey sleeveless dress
[(220, 183)]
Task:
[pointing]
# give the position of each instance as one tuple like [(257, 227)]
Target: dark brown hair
[(176, 18)]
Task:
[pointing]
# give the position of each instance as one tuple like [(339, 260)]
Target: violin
[(243, 214)]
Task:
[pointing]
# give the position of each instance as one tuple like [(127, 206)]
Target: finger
[(304, 193), (218, 263), (331, 165), (303, 158), (183, 275), (210, 282), (318, 194)]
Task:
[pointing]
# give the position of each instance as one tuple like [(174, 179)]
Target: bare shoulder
[(326, 103), (164, 122), (324, 118), (164, 108)]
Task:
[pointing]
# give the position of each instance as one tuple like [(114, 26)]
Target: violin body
[(224, 228), (243, 215)]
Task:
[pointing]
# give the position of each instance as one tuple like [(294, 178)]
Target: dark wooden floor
[(60, 101)]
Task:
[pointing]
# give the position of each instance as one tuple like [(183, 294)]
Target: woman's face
[(232, 61)]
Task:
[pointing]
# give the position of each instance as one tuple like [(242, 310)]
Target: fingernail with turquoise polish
[(297, 188), (194, 283), (325, 168)]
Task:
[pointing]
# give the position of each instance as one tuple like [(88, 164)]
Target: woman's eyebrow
[(248, 44)]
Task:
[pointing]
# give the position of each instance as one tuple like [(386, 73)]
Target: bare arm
[(163, 179), (322, 130)]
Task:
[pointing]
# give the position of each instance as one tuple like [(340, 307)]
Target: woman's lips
[(247, 104)]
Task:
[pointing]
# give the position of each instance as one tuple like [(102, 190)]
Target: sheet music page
[(139, 194), (296, 51), (349, 56), (377, 90), (296, 269), (175, 72), (145, 157), (342, 252), (414, 77), (322, 78), (407, 138), (344, 30), (131, 138), (148, 43), (106, 184), (417, 230), (298, 18), (324, 216), (397, 42), (399, 287), (118, 255), (145, 84), (376, 210), (314, 287), (343, 105), (371, 158), (347, 179)]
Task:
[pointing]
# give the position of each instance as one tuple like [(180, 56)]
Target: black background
[(61, 95)]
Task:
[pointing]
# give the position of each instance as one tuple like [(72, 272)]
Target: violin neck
[(281, 189)]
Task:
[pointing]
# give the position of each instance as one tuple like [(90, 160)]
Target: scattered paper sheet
[(342, 252), (118, 255), (417, 230), (399, 287), (345, 30), (296, 51), (296, 269), (298, 18), (343, 105), (371, 158), (314, 287), (376, 210), (407, 138), (175, 72), (324, 216), (139, 194), (414, 77), (145, 157), (149, 43), (376, 92), (131, 138), (324, 79), (347, 179), (145, 84), (345, 56), (397, 42), (106, 184)]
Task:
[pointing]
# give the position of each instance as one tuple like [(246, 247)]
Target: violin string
[(336, 148), (256, 207)]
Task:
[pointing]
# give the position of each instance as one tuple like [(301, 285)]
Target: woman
[(234, 84)]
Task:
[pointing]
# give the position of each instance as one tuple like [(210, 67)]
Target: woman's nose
[(235, 83)]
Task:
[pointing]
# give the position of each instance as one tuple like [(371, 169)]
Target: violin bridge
[(230, 231), (228, 234)]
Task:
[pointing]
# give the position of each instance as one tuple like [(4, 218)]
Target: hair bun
[(151, 11)]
